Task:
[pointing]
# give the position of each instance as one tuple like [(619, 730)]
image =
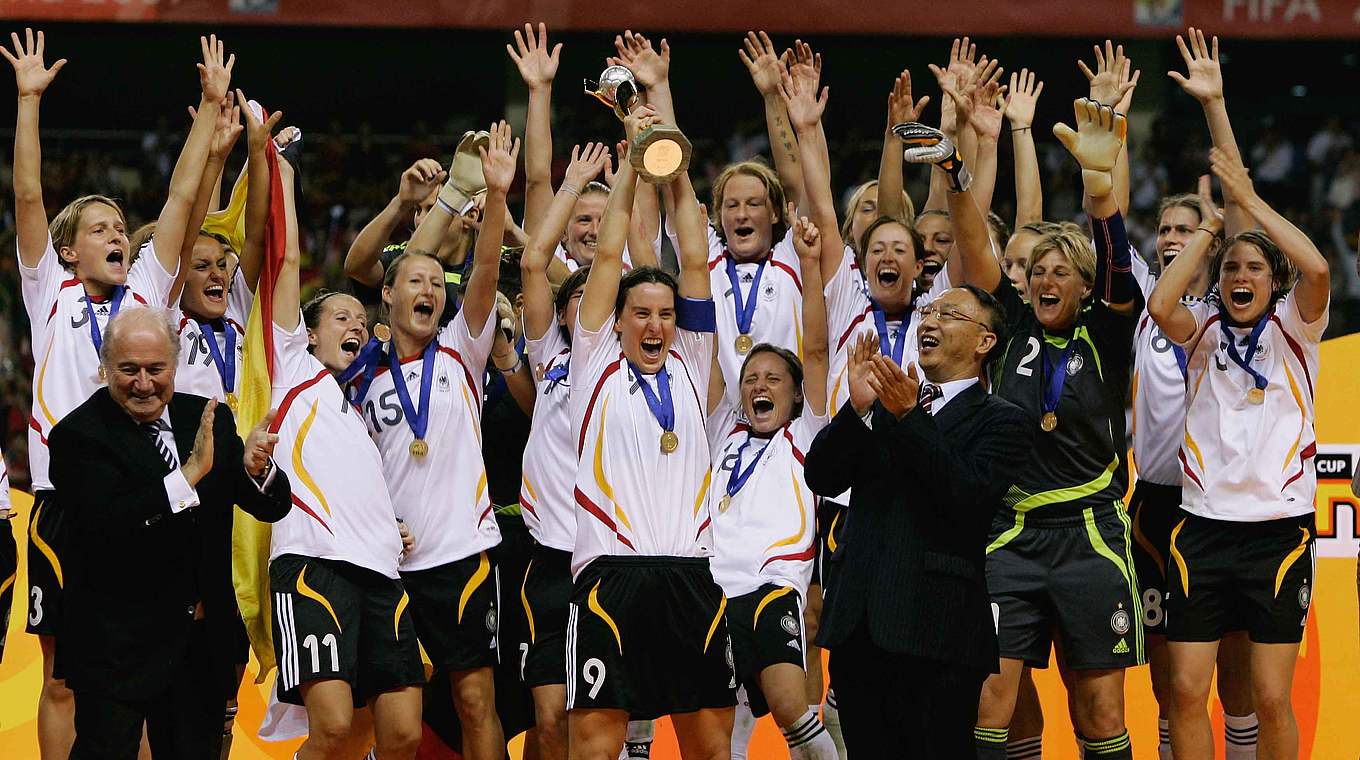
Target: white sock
[(1164, 739), (1239, 736), (808, 739), (743, 725), (831, 718), (1025, 749), (638, 743)]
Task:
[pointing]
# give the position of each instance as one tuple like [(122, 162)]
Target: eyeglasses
[(950, 315)]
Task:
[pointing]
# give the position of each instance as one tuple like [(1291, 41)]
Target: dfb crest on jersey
[(491, 620), (1074, 363), (1119, 622), (789, 625)]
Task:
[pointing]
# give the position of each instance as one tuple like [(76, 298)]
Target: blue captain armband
[(696, 314)]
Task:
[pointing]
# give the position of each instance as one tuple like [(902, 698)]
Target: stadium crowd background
[(369, 102)]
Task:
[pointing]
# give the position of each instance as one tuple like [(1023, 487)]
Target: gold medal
[(382, 332), (724, 503), (232, 402), (1257, 395), (744, 343), (669, 442), (1048, 422), (419, 447), (102, 376)]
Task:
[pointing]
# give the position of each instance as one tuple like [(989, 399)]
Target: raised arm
[(1203, 81), (288, 286), (1164, 304), (691, 232), (1111, 84), (602, 285), (417, 182), (1025, 89), (972, 261), (811, 251), (901, 109), (805, 107), (32, 77), (986, 119), (763, 63), (960, 69), (537, 67), (258, 140), (539, 312), (1313, 289), (225, 132), (651, 67), (172, 226), (499, 163)]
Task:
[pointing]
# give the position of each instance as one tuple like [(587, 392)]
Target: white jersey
[(1158, 390), (66, 370), (631, 498), (198, 372), (1248, 462), (341, 510), (442, 497), (768, 531), (549, 473)]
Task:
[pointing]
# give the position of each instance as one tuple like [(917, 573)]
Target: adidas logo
[(793, 643), (1121, 648)]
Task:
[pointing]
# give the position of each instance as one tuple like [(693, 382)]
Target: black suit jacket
[(910, 559), (136, 571)]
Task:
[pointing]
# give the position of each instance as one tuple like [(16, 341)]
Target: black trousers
[(896, 705), (183, 722)]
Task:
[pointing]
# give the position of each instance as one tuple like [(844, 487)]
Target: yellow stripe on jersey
[(1194, 449), (600, 479), (836, 390), (8, 582), (1291, 558), (798, 336), (831, 533), (1085, 336), (524, 479), (703, 491), (478, 578), (1060, 495), (481, 487), (1008, 534), (524, 599), (1293, 388), (46, 550), (316, 596), (38, 391), (593, 602), (802, 520), (713, 627), (1180, 561), (770, 597), (301, 469), (472, 411), (396, 616)]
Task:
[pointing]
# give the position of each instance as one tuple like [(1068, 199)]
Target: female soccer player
[(75, 276), (646, 633), (341, 627), (1242, 548)]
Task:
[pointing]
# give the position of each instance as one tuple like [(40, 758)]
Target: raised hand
[(586, 164), (961, 92), (500, 158), (762, 62), (636, 123), (1210, 215), (30, 73), (419, 180), (901, 108), (1234, 177), (536, 65), (1203, 79), (200, 460), (228, 127), (1095, 143), (898, 391), (804, 105), (260, 445), (258, 134), (806, 237), (1110, 81), (649, 66), (858, 370), (214, 74), (1025, 90), (962, 55), (803, 64), (988, 108)]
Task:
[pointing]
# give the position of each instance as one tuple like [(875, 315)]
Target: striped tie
[(153, 430), (929, 392)]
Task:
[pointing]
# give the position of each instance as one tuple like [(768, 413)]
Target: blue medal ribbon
[(367, 364), (659, 401), (739, 476), (746, 308), (892, 349), (417, 417), (226, 366), (115, 303), (1180, 360), (1053, 377), (1253, 342), (557, 374)]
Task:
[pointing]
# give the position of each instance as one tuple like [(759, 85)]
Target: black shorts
[(1070, 576), (47, 539), (830, 528), (9, 573), (1153, 510), (766, 626), (544, 595), (1252, 576), (334, 620), (455, 607), (647, 635)]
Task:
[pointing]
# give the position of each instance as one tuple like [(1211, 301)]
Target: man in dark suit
[(907, 617), (148, 478)]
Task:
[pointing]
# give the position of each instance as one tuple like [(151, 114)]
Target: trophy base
[(660, 153)]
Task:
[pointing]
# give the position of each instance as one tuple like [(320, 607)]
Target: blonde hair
[(1071, 241), (774, 193), (908, 217), (66, 224)]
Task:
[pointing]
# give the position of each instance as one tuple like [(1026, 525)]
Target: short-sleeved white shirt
[(198, 373), (549, 473)]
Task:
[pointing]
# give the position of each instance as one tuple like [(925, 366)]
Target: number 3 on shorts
[(593, 673)]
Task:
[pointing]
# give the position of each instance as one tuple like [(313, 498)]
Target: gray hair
[(131, 319)]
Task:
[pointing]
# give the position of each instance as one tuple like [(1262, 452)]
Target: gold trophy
[(660, 152)]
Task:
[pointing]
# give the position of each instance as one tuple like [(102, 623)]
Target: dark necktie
[(153, 430), (929, 392)]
